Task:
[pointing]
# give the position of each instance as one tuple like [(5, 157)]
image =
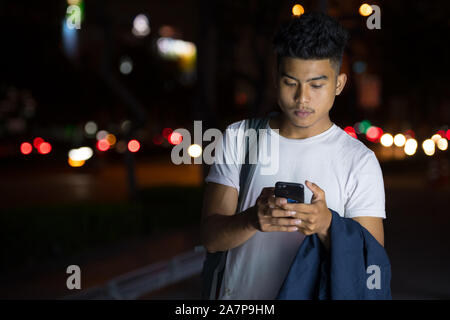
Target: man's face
[(306, 90)]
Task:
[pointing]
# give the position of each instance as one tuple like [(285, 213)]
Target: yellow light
[(387, 140), (73, 2), (365, 10), (410, 147), (399, 140), (111, 139), (195, 150), (436, 137), (75, 163), (298, 10), (442, 144), (428, 147)]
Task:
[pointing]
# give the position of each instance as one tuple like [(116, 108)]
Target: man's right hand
[(268, 216)]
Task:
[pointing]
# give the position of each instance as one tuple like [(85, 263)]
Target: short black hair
[(313, 35)]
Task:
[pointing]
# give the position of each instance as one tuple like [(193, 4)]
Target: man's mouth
[(302, 113)]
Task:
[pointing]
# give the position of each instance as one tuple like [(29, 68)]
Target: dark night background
[(135, 215)]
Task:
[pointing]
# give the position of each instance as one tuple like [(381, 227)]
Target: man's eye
[(291, 84), (316, 86)]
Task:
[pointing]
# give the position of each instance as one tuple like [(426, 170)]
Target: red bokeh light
[(374, 134), (175, 138), (37, 142), (134, 146), (350, 130), (166, 132), (441, 133), (448, 134), (158, 139), (103, 145), (44, 148), (26, 148), (409, 133)]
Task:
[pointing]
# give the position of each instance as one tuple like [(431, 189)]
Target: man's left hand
[(315, 217)]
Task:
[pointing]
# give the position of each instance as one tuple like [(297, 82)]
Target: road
[(416, 230)]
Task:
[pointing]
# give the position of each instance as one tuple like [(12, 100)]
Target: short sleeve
[(366, 196), (225, 169)]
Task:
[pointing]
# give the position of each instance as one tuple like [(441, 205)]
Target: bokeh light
[(374, 134), (141, 26), (126, 65), (428, 147), (166, 132), (81, 154), (410, 134), (37, 142), (134, 145), (410, 146), (365, 10), (364, 126), (387, 140), (175, 138), (75, 163), (103, 145), (442, 144), (121, 146), (436, 137), (195, 150), (399, 140), (158, 139), (90, 128), (45, 148), (26, 148), (102, 135), (111, 139), (298, 10)]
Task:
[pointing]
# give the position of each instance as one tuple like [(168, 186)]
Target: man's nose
[(301, 95)]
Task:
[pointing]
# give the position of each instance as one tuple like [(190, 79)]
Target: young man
[(339, 172)]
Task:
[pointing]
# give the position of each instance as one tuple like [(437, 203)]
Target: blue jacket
[(355, 267)]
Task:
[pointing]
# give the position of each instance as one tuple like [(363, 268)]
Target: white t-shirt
[(339, 164)]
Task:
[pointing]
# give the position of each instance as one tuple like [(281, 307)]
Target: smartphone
[(293, 192)]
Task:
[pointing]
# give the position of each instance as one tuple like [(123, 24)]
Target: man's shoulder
[(352, 148)]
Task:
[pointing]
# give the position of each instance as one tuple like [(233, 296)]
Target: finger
[(299, 207), (280, 201), (305, 217), (276, 202), (272, 228), (282, 213), (318, 193), (267, 191), (285, 222)]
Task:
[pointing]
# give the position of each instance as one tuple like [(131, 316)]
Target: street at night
[(114, 116)]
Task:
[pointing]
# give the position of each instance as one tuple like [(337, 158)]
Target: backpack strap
[(214, 263)]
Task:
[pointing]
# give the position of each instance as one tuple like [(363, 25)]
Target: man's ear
[(340, 83)]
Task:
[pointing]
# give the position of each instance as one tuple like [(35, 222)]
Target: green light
[(364, 126)]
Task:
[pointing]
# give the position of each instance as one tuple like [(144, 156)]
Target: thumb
[(317, 192)]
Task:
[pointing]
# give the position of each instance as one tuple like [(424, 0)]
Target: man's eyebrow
[(323, 77)]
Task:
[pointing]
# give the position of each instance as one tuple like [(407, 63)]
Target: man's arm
[(374, 225), (221, 228)]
